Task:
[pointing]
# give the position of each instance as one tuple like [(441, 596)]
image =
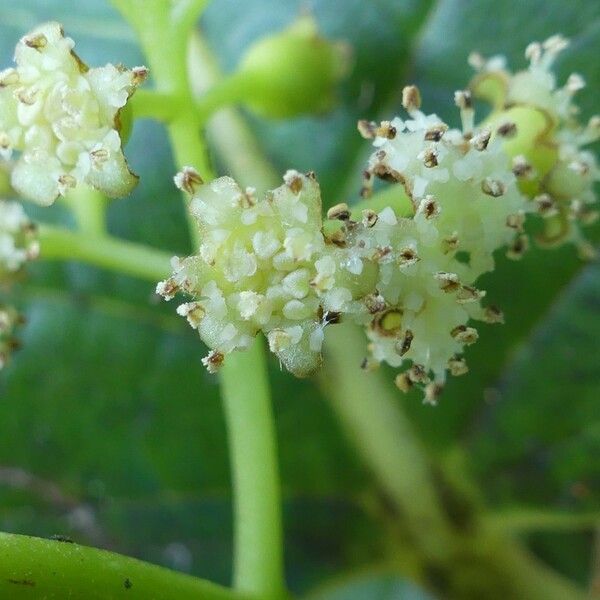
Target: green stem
[(38, 568), (89, 208), (384, 436), (226, 91), (258, 560), (258, 537), (538, 520), (106, 252), (152, 104), (522, 575), (227, 130)]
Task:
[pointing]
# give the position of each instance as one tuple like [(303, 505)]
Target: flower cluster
[(408, 276), (263, 265), (546, 147), (63, 118), (18, 242)]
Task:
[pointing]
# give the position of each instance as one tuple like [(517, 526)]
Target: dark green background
[(108, 408)]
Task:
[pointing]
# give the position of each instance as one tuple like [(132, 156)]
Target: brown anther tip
[(507, 130), (293, 180), (458, 366), (418, 374), (519, 246), (430, 158), (382, 254), (9, 77), (433, 391), (493, 187), (467, 294), (403, 346), (545, 205), (429, 207), (247, 198), (213, 361), (521, 168), (140, 74), (386, 173), (367, 129), (37, 42), (435, 133), (462, 99), (492, 314), (386, 130), (369, 218), (331, 318), (449, 282), (411, 98), (407, 256), (339, 212), (337, 238), (481, 139), (464, 334), (188, 180), (403, 382), (374, 303), (516, 221)]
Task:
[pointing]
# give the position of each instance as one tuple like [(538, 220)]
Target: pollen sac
[(263, 266), (547, 141), (60, 119), (18, 240)]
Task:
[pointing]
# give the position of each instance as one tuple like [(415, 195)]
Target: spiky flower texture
[(271, 265), (63, 119)]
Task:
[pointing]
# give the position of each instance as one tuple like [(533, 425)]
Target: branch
[(37, 568)]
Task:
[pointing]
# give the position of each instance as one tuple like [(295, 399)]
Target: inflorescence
[(271, 264), (63, 119)]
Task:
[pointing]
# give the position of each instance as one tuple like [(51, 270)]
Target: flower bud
[(294, 71)]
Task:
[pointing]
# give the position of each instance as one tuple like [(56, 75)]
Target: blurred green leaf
[(373, 587)]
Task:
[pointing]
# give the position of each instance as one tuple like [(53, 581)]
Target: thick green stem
[(39, 568), (89, 208), (258, 560), (104, 251), (384, 436), (258, 530)]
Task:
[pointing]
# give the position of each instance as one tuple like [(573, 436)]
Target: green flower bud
[(538, 123), (294, 71)]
